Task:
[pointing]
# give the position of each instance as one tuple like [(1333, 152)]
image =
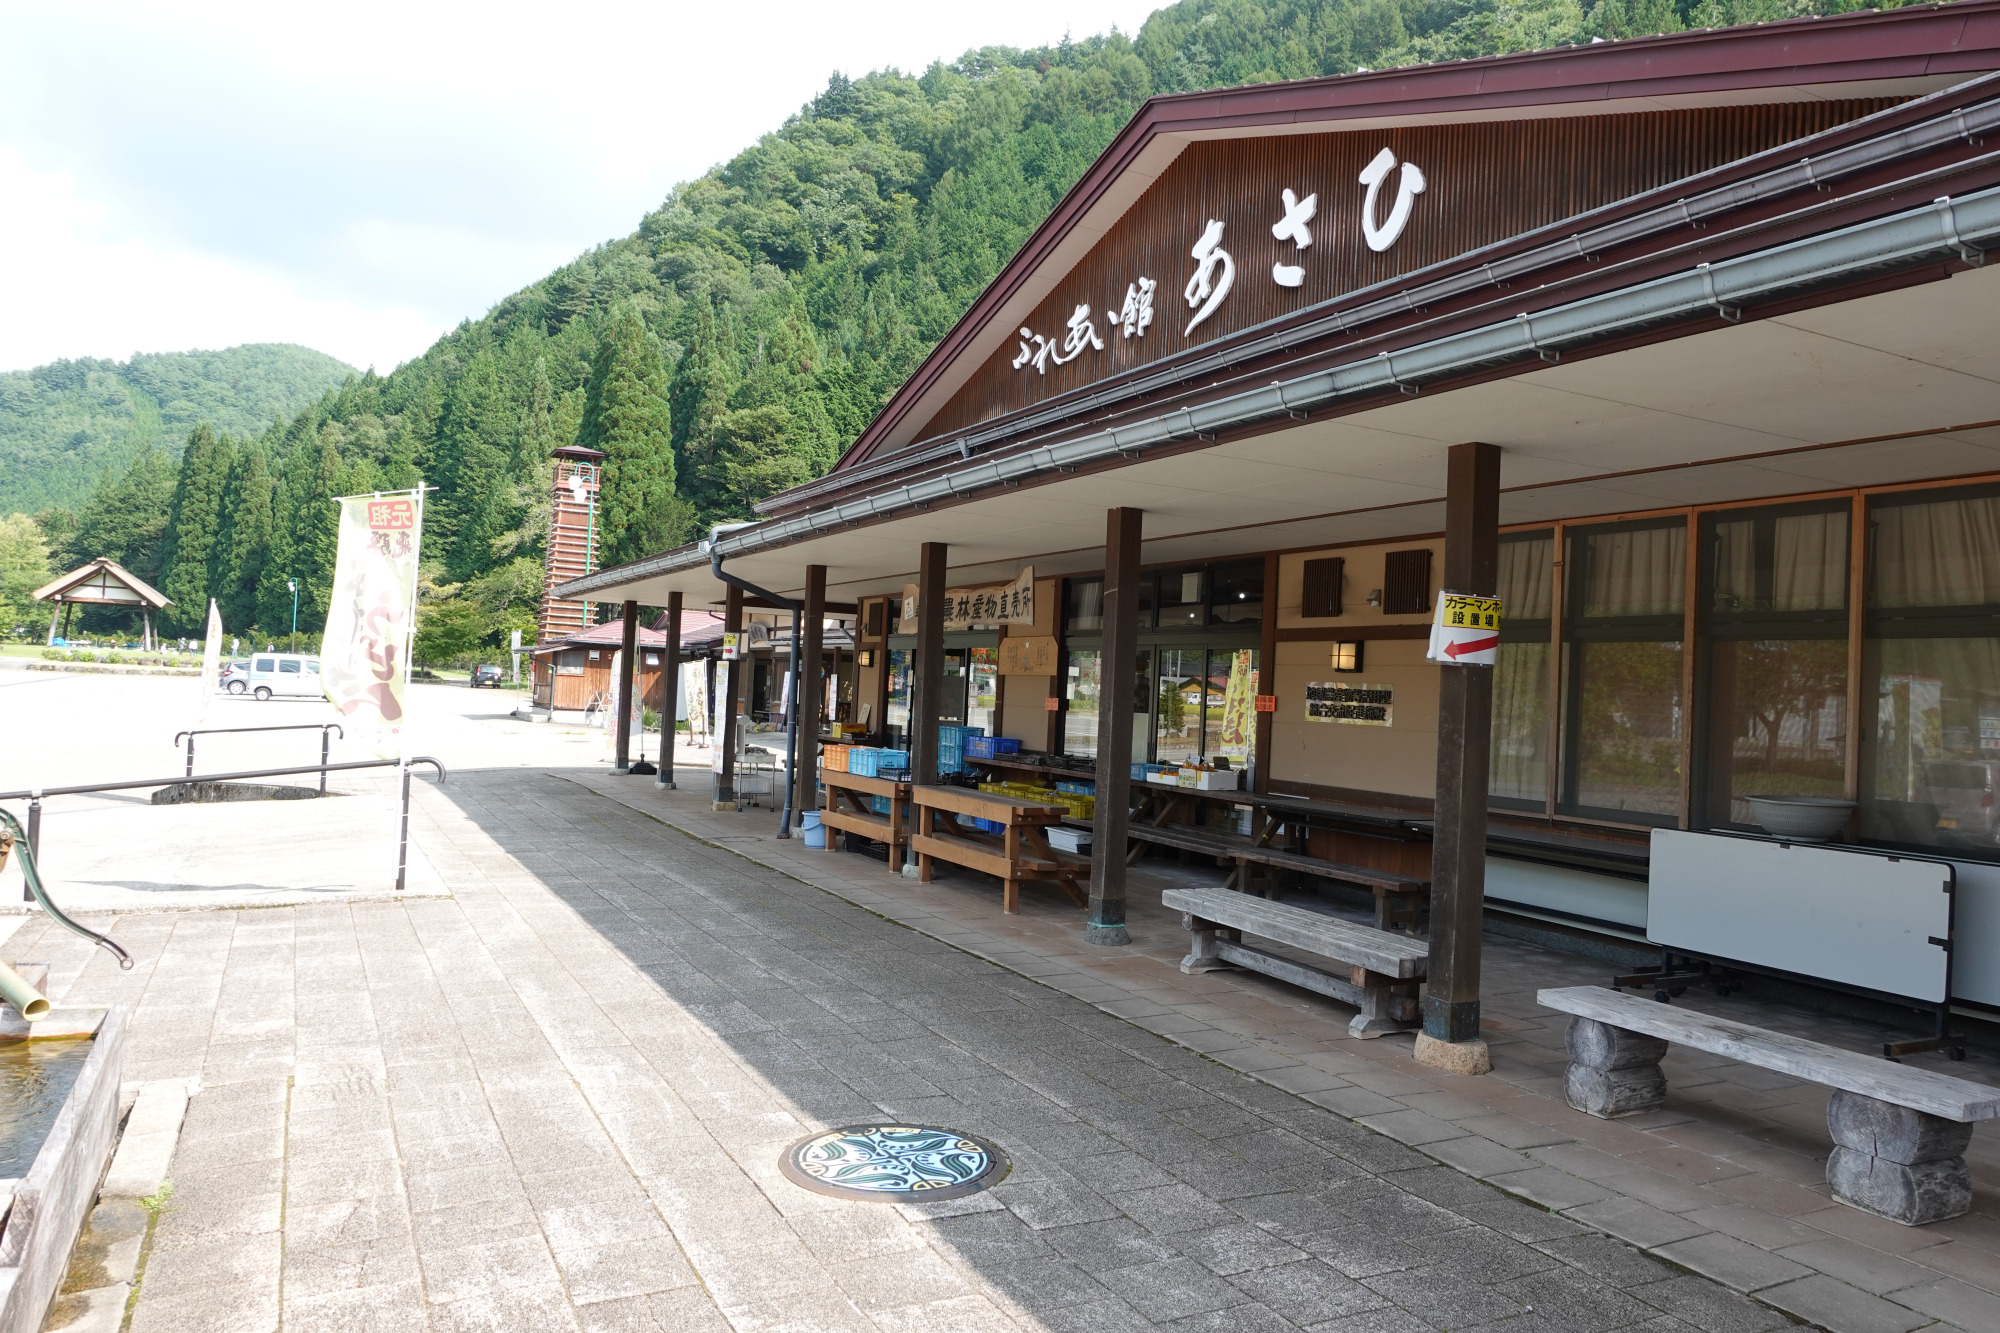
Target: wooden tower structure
[(573, 540)]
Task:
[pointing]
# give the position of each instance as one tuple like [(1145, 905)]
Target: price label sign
[(1466, 631)]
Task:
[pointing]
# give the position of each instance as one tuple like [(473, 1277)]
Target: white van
[(293, 675)]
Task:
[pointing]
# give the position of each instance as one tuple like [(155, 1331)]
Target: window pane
[(1777, 722), (897, 715), (1180, 598), (1239, 594), (1177, 713), (984, 689), (1931, 763), (1633, 572), (951, 691), (1787, 562), (1527, 586), (1082, 691), (1625, 702), (289, 668), (1231, 728), (1083, 605), (1941, 554), (1519, 770)]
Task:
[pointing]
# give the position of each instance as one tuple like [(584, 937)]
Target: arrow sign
[(1457, 649)]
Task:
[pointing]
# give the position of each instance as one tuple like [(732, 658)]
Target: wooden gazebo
[(101, 583)]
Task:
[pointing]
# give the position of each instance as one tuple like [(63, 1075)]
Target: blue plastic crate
[(879, 804), (990, 747), (989, 825), (869, 763), (1140, 772), (1078, 788)]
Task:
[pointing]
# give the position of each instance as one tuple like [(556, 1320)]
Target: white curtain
[(1944, 554), (1640, 572)]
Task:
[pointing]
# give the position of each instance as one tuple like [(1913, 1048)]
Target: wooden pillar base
[(1098, 932)]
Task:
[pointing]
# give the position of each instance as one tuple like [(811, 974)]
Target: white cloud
[(361, 179)]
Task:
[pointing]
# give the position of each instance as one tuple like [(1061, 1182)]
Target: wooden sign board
[(1028, 657)]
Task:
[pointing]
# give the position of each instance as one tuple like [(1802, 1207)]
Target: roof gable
[(1869, 55)]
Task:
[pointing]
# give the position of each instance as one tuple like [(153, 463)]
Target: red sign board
[(1267, 703), (392, 515)]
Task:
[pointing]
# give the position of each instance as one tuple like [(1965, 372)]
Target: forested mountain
[(751, 325), (63, 425)]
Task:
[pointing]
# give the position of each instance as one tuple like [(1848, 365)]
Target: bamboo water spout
[(14, 988)]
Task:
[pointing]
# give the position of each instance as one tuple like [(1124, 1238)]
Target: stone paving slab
[(1731, 1169), (555, 1101)]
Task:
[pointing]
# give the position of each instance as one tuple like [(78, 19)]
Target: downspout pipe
[(791, 674)]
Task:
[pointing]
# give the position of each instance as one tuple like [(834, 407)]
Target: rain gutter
[(1956, 227)]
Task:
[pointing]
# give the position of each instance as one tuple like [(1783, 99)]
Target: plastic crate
[(879, 804), (1078, 788), (869, 763), (834, 757), (990, 825), (990, 747), (1144, 772), (951, 748)]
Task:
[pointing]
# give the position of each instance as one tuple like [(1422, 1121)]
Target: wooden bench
[(1399, 900), (1020, 853), (1899, 1133), (847, 811), (1382, 969)]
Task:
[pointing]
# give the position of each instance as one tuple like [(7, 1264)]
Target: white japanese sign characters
[(1206, 289), (1293, 227), (1411, 184)]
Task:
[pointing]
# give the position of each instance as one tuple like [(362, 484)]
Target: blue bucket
[(812, 830)]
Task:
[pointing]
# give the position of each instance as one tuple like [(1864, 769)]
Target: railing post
[(325, 749), (190, 757), (403, 840), (34, 840)]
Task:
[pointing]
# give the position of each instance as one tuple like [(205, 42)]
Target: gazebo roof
[(103, 582)]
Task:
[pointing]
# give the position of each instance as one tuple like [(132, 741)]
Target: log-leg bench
[(1899, 1133), (1383, 970)]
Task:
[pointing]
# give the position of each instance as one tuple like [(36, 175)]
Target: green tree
[(244, 544), (627, 416), (194, 521), (24, 567)]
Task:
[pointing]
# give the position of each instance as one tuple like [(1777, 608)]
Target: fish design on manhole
[(893, 1163)]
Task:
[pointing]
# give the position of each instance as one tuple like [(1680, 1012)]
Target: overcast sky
[(359, 178)]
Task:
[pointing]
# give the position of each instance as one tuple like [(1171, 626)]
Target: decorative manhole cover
[(893, 1162)]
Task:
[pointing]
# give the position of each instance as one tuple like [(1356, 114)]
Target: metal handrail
[(34, 795), (325, 742)]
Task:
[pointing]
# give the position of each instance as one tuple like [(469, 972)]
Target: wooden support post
[(55, 619), (1450, 1039), (929, 671), (628, 673), (812, 689), (1106, 924), (146, 639), (670, 692), (730, 676)]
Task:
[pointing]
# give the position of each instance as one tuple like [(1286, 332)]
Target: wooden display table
[(1022, 852), (857, 817)]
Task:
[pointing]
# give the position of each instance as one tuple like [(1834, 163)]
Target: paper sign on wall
[(1354, 705), (1028, 657), (1466, 631)]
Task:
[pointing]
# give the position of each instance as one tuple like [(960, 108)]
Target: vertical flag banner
[(211, 659), (365, 656)]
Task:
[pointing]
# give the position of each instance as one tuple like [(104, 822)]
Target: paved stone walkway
[(556, 1101), (1726, 1180)]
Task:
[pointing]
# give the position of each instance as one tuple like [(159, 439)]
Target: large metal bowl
[(1801, 818)]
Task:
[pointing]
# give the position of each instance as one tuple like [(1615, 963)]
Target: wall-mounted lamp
[(1347, 656), (865, 657), (1375, 597)]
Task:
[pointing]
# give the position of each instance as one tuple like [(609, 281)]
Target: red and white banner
[(365, 656), (1466, 631)]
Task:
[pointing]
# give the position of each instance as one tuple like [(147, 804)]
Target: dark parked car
[(490, 676)]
